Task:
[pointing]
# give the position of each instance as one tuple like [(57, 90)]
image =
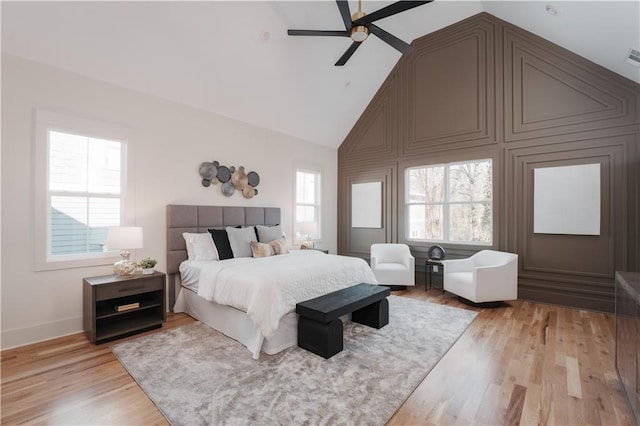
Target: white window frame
[(46, 121), (317, 205), (446, 204)]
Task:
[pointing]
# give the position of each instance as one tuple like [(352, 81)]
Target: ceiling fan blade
[(390, 39), (344, 58), (343, 6), (392, 9), (317, 33)]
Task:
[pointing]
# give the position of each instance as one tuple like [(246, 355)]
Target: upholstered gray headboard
[(181, 218)]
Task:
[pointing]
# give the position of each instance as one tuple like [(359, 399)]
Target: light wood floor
[(525, 364)]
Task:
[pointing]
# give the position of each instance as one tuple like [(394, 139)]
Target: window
[(450, 202), (81, 182), (307, 209)]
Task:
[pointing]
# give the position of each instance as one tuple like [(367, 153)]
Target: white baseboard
[(38, 333)]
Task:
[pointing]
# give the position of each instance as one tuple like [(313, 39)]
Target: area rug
[(197, 376)]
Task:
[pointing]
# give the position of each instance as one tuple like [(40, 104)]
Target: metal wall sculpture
[(230, 178)]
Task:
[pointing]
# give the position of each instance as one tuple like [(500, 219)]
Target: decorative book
[(128, 306)]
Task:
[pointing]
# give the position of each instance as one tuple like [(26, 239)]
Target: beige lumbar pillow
[(260, 249), (279, 246), (272, 248)]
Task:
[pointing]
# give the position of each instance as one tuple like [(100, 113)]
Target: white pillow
[(269, 233), (240, 240), (200, 246)]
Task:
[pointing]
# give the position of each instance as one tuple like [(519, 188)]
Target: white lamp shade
[(124, 238), (308, 228)]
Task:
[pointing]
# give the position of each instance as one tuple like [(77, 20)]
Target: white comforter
[(268, 288)]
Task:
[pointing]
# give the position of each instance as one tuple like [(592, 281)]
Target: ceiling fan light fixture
[(359, 33)]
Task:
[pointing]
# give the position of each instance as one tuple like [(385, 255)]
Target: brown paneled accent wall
[(483, 88)]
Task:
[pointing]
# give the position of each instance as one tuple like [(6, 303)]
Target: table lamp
[(124, 238), (307, 229)]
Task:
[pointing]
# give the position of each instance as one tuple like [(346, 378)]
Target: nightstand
[(325, 251), (115, 307)]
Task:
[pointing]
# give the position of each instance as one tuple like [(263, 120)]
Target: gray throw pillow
[(240, 240), (268, 233)]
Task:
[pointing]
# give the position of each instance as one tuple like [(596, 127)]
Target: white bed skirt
[(237, 324)]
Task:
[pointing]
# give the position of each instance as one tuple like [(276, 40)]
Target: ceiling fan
[(359, 25)]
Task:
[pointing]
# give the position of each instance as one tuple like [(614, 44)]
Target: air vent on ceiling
[(634, 57)]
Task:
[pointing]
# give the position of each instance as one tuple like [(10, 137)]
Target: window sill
[(72, 262)]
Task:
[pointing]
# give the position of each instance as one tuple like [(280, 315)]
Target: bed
[(230, 295)]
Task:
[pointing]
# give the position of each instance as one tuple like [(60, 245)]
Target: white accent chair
[(393, 264), (487, 276)]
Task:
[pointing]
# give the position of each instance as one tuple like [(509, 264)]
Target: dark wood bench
[(319, 324)]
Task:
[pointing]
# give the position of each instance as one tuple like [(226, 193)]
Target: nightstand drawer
[(121, 289)]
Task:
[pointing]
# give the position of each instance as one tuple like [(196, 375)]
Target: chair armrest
[(496, 282), (504, 269), (458, 265), (373, 262), (412, 263)]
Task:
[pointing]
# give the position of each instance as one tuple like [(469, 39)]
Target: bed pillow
[(279, 246), (261, 249), (200, 246), (240, 240), (268, 233), (272, 248), (221, 240)]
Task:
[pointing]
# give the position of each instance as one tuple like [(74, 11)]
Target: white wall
[(170, 142)]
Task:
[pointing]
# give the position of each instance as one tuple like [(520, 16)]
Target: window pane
[(68, 225), (305, 214), (462, 190), (67, 162), (104, 212), (104, 166), (470, 181), (425, 222), (79, 225), (305, 188), (470, 222), (80, 164), (426, 184)]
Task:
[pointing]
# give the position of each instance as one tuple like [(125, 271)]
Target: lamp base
[(308, 244), (124, 268)]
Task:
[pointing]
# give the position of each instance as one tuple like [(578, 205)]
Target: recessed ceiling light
[(551, 10)]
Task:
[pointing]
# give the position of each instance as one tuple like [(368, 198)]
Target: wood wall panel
[(573, 264), (453, 68), (357, 242), (376, 139), (549, 91), (483, 88)]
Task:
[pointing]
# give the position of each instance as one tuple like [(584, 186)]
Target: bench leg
[(320, 338), (375, 315)]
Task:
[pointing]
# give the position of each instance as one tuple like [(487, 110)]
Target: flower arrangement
[(147, 263)]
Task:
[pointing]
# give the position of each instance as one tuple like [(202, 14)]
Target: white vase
[(147, 271)]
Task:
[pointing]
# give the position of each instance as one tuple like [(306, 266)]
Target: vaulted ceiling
[(234, 58)]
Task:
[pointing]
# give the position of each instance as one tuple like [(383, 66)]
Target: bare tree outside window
[(450, 202)]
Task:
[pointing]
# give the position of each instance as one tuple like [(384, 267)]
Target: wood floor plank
[(574, 385), (526, 363)]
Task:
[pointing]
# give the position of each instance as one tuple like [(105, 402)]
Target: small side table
[(325, 251), (115, 307), (434, 274)]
